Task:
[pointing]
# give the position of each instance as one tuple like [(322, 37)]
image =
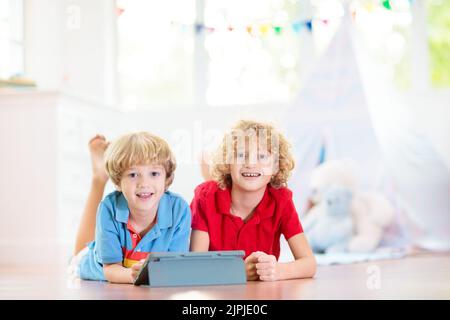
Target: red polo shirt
[(274, 215)]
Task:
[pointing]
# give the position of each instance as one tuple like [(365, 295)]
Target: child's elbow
[(110, 273), (107, 273), (312, 267)]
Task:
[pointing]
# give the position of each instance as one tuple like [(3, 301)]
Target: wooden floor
[(423, 276)]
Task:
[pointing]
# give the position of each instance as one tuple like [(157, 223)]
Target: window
[(11, 38), (267, 66), (257, 51), (386, 29), (253, 51), (155, 56)]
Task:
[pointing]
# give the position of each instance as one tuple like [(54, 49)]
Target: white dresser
[(45, 170)]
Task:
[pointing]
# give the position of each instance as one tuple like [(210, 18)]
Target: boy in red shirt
[(247, 205)]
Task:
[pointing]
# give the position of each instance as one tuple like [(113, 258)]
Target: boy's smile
[(248, 179), (250, 174), (144, 195)]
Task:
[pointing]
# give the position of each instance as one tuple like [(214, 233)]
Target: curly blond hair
[(137, 149), (266, 135)]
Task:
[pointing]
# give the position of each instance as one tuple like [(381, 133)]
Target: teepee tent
[(330, 118), (347, 110)]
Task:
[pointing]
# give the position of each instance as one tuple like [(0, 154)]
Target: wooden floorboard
[(422, 276)]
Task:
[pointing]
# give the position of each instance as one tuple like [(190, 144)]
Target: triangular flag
[(309, 25), (297, 26), (264, 28), (387, 4), (198, 28), (119, 11)]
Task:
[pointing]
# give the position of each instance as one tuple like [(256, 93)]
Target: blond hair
[(267, 135), (137, 149)]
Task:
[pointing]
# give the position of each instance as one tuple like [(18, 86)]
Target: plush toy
[(330, 217), (341, 217)]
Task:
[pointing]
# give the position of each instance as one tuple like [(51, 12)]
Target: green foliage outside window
[(439, 41)]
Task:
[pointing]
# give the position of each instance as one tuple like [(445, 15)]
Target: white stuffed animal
[(329, 224), (369, 212)]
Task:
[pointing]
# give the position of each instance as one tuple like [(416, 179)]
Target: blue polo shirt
[(117, 242)]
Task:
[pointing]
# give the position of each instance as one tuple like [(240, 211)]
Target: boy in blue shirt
[(139, 218)]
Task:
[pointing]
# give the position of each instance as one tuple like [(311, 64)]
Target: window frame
[(11, 39)]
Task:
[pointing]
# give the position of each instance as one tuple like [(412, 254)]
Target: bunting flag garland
[(267, 28), (254, 29), (387, 4), (296, 26)]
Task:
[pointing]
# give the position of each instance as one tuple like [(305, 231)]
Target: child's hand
[(267, 267), (250, 265), (136, 268)]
